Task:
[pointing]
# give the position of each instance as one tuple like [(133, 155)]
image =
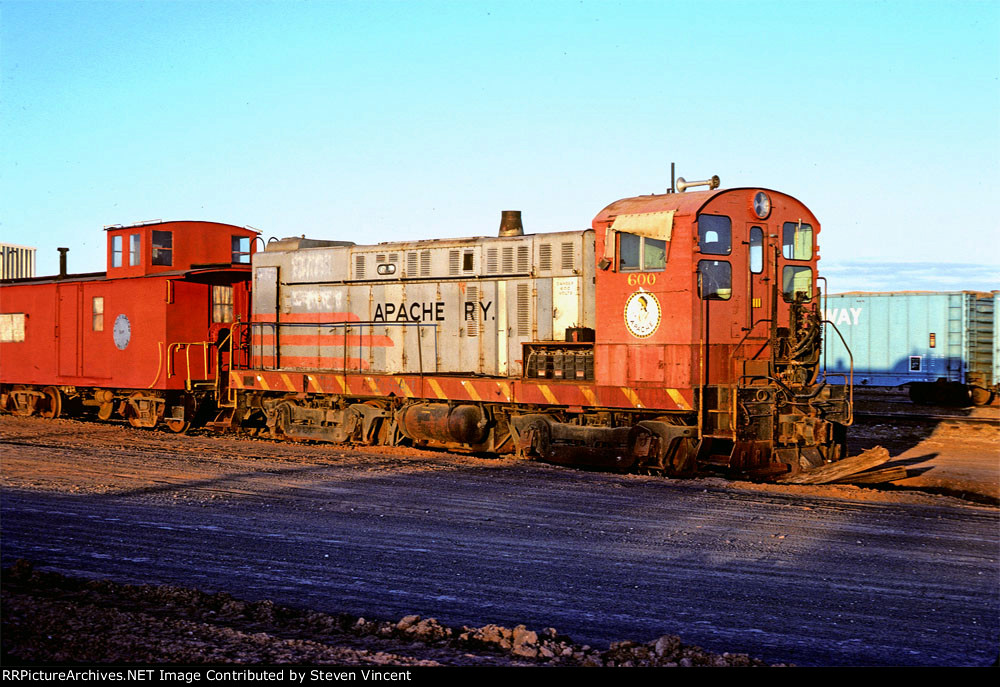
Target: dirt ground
[(48, 617), (941, 457)]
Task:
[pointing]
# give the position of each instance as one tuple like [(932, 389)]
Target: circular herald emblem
[(122, 332), (642, 314)]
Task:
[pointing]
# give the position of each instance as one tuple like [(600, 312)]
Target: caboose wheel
[(22, 402), (179, 425), (51, 405), (143, 411)]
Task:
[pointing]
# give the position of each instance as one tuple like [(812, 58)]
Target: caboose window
[(134, 256), (163, 244), (756, 250), (715, 234), (241, 250), (715, 280), (12, 327), (116, 251), (97, 313), (796, 280), (797, 241), (222, 304)]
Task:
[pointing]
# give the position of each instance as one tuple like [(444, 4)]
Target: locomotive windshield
[(715, 234), (797, 241)]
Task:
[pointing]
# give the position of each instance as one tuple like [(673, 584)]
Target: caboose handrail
[(187, 359)]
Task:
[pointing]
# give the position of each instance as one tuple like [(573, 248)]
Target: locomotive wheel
[(981, 397), (51, 406)]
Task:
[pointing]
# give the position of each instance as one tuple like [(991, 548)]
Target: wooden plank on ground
[(831, 472), (876, 476)]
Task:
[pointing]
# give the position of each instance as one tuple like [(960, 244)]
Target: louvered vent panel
[(394, 257), (380, 257), (453, 262), (567, 255), (472, 318), (523, 259), (523, 310), (508, 260), (425, 263), (492, 261), (359, 267), (545, 256), (411, 265)]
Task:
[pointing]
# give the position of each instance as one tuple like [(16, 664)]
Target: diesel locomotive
[(679, 332)]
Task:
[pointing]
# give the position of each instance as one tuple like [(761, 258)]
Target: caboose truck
[(682, 330), (141, 340)]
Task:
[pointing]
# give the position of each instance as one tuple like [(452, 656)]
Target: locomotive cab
[(715, 291)]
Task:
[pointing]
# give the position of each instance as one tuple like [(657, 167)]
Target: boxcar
[(941, 345)]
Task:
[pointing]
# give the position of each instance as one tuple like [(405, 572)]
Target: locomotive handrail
[(749, 332), (850, 385)]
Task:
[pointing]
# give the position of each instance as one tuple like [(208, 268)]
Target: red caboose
[(145, 339)]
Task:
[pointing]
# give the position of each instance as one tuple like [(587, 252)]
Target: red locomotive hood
[(688, 203)]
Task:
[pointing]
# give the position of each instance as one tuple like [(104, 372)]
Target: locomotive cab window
[(796, 281), (641, 253), (756, 250), (163, 244), (797, 241), (715, 280), (241, 250), (715, 234)]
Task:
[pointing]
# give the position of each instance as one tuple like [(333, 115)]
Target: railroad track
[(923, 417)]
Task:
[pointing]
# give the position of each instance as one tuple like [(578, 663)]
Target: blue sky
[(378, 121)]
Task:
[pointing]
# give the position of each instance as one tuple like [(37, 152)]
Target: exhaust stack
[(62, 262), (510, 223)]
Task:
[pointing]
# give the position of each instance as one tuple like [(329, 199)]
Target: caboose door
[(68, 306)]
